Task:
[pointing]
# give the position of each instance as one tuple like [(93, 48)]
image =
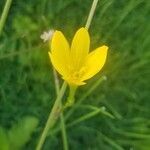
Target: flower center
[(75, 76)]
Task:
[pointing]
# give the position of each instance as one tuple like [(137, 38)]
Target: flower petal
[(80, 48), (60, 52), (94, 62)]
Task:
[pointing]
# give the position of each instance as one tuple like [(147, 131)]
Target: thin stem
[(62, 121), (91, 14), (4, 14), (53, 116), (63, 131), (85, 117)]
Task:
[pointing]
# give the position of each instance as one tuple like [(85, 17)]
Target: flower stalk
[(62, 121), (91, 14), (71, 98), (53, 116)]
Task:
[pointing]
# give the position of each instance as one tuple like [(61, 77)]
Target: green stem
[(71, 98), (63, 131), (62, 121), (85, 117), (53, 116), (91, 14), (4, 14)]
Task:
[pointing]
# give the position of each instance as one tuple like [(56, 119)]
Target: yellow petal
[(60, 52), (94, 62), (80, 48)]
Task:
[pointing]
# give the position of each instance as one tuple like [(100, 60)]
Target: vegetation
[(114, 113)]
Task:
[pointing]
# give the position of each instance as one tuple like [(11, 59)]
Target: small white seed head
[(47, 36)]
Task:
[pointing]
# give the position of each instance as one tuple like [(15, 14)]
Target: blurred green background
[(27, 89)]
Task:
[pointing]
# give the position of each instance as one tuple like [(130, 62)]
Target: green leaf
[(4, 144), (21, 132)]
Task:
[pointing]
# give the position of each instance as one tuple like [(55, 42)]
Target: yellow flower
[(75, 63)]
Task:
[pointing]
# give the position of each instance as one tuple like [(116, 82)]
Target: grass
[(26, 78)]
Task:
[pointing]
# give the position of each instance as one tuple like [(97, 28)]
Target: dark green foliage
[(26, 79)]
